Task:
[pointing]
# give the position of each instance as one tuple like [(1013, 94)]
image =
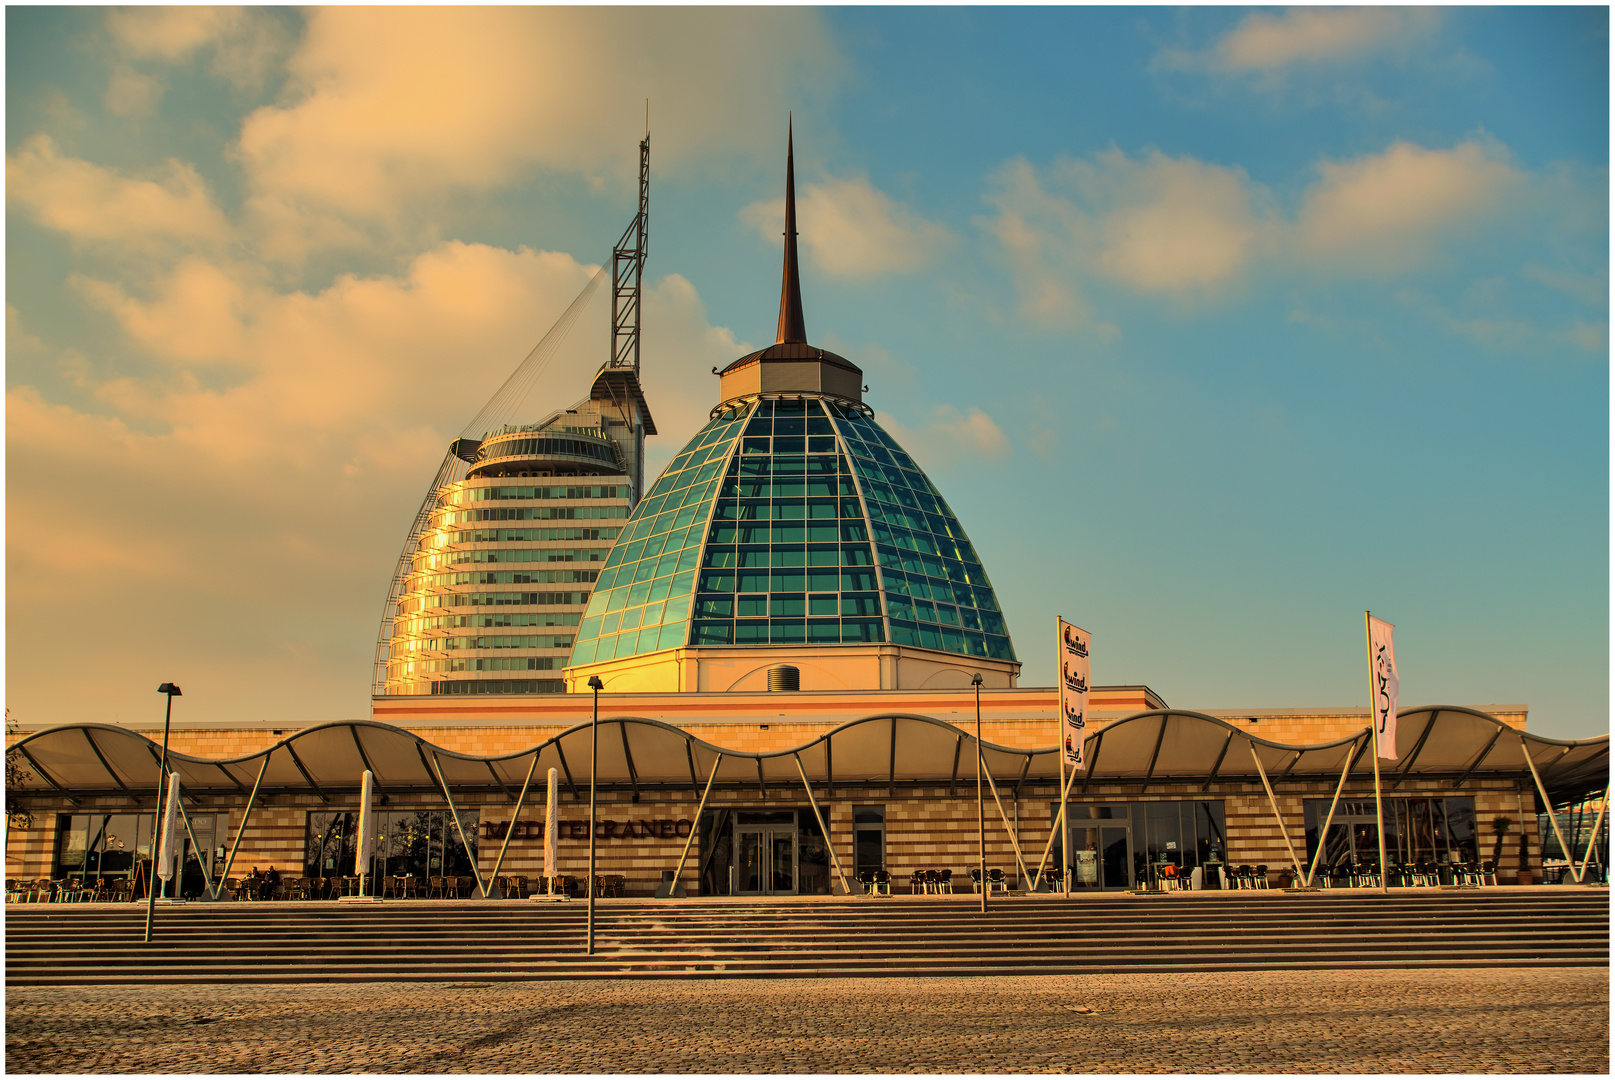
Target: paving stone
[(1489, 1020)]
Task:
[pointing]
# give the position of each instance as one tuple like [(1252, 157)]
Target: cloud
[(849, 228), (130, 93), (251, 490), (245, 43), (948, 436), (93, 204), (1387, 210), (1171, 225), (391, 109), (1192, 230), (1267, 44), (1155, 224)]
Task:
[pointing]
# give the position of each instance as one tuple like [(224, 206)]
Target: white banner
[(169, 845), (367, 826), (552, 815), (1073, 654), (1384, 684)]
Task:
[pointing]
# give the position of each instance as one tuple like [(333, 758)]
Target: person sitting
[(271, 883)]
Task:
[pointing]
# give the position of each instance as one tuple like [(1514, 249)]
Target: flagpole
[(1373, 722), (1059, 754)]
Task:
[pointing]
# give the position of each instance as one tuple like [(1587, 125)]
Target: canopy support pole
[(202, 857), (1274, 802), (696, 824), (1592, 841), (511, 830), (246, 816), (1013, 842), (1059, 822), (824, 826), (455, 813), (1553, 819), (1323, 834)]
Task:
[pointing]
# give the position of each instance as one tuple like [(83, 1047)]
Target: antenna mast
[(628, 269)]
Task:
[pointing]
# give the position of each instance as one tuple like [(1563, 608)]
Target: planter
[(1524, 878), (1286, 881)]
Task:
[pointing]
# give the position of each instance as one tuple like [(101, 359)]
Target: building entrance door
[(1102, 857), (765, 860)]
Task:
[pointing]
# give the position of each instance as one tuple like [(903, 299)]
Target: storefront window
[(1121, 845), (1438, 830), (113, 845), (414, 843)]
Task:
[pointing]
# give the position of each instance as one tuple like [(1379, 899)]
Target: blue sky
[(1215, 326)]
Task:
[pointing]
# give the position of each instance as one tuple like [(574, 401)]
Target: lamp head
[(595, 683), (975, 680), (170, 689)]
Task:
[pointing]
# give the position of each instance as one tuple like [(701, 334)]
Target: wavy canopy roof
[(1448, 744)]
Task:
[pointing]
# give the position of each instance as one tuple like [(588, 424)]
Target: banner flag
[(1073, 654), (169, 847), (552, 810), (1382, 676), (367, 826)]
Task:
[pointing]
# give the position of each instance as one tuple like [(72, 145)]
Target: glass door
[(765, 860), (1101, 856)]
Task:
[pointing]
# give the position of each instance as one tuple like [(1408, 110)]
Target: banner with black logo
[(1384, 684), (1073, 654)]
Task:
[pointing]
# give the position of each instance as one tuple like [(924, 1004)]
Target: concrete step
[(932, 936)]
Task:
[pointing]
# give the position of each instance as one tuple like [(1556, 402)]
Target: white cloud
[(1155, 224), (850, 228), (246, 43), (392, 108), (1265, 43), (1193, 230), (131, 93), (94, 204), (1388, 210), (948, 436), (252, 514)]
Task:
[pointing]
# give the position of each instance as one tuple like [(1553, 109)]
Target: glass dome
[(792, 520)]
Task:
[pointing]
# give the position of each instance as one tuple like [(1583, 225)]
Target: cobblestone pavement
[(1488, 1020)]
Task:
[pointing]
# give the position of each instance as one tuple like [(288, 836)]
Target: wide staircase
[(50, 944)]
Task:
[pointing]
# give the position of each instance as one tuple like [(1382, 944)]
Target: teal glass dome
[(792, 520)]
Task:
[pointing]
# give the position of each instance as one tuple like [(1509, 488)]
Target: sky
[(1216, 327)]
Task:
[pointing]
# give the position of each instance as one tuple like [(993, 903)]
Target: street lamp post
[(594, 765), (162, 771), (981, 819)]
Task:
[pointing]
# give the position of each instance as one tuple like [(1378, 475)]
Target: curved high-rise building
[(504, 553), (792, 532), (508, 556)]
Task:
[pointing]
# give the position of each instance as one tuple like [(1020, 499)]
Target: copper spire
[(792, 328)]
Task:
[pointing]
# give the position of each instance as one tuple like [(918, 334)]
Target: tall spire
[(792, 328)]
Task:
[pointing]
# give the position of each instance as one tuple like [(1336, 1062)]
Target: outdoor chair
[(883, 883), (434, 887), (501, 885), (933, 881), (519, 884), (866, 878), (975, 879), (16, 889), (68, 891), (916, 881), (1259, 879), (944, 881), (995, 880), (1244, 877), (1170, 882), (1488, 870)]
